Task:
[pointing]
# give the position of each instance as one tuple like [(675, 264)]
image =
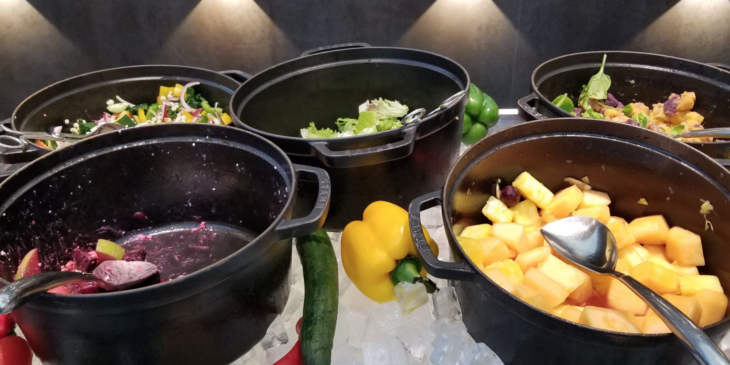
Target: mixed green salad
[(377, 115)]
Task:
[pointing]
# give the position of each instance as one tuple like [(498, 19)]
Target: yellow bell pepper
[(165, 91), (177, 90), (141, 115), (188, 117), (372, 247), (226, 118)]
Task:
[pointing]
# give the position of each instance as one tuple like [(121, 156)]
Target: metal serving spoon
[(112, 275), (588, 243)]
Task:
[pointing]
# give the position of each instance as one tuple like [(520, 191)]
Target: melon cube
[(564, 274), (657, 251), (551, 290), (652, 324), (592, 198), (571, 314), (499, 278), (633, 254), (565, 202), (495, 250), (559, 309), (534, 240), (639, 321), (714, 306), (532, 189), (600, 213), (656, 278), (623, 266), (525, 213), (608, 319), (547, 217), (620, 297), (532, 297), (496, 211), (662, 263), (651, 230), (685, 270), (512, 234), (688, 305), (582, 293), (476, 232), (691, 285), (532, 257), (473, 249), (620, 230), (685, 247), (510, 269)]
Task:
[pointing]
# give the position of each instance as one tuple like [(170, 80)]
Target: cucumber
[(320, 297), (117, 108)]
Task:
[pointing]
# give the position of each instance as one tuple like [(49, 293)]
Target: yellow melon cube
[(652, 324), (532, 297), (477, 231), (662, 263), (592, 198), (496, 211), (651, 230), (571, 314), (510, 269), (532, 189), (499, 278), (623, 266), (620, 230), (564, 274), (600, 213), (608, 319), (620, 297), (583, 292), (547, 217), (714, 306), (685, 247), (656, 278), (534, 239), (633, 254), (532, 257), (473, 250), (512, 234), (551, 290), (495, 250), (685, 270), (657, 251), (525, 213), (559, 309), (565, 202), (688, 305), (691, 285), (639, 321)]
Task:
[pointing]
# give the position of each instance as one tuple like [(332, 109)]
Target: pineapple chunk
[(685, 247), (653, 324), (594, 198), (512, 234), (552, 291), (691, 285), (608, 319), (600, 213), (476, 232), (633, 254), (532, 189), (620, 297), (656, 278), (510, 269), (565, 202), (473, 249), (714, 306), (620, 230), (651, 230), (564, 274), (495, 250), (532, 257), (496, 211), (685, 270), (688, 305), (499, 278), (532, 297), (571, 314), (547, 217), (534, 239), (525, 213)]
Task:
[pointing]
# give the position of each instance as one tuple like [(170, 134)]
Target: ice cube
[(448, 351), (384, 351), (344, 281), (410, 296), (296, 297), (345, 354), (446, 305), (422, 314), (387, 316), (483, 355), (275, 335), (295, 273), (445, 327), (274, 354), (354, 326), (416, 339)]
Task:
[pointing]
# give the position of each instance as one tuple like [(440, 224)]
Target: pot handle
[(526, 104), (723, 66), (239, 76), (366, 156), (333, 47), (440, 269), (298, 227)]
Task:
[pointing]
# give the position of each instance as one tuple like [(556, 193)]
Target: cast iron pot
[(331, 83), (85, 96), (629, 163), (654, 78), (173, 174)]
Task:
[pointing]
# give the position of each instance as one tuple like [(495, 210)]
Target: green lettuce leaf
[(384, 108), (313, 132)]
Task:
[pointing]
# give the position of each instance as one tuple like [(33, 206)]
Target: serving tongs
[(420, 113), (704, 133), (17, 140)]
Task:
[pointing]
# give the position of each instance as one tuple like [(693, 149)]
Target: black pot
[(629, 163), (655, 78), (72, 98), (395, 166), (174, 174)]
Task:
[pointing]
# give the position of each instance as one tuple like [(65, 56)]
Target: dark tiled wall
[(498, 41)]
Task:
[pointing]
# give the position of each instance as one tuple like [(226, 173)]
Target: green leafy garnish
[(563, 102), (628, 109), (193, 99), (642, 119), (598, 85), (583, 100), (85, 127), (590, 113), (677, 129)]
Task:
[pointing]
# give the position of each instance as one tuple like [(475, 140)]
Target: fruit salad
[(513, 254)]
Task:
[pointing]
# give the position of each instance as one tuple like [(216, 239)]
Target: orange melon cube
[(496, 211), (495, 250), (685, 247), (473, 250), (534, 240), (656, 278), (608, 319), (620, 297), (532, 297), (532, 257), (571, 314), (510, 269), (512, 234), (525, 213), (564, 274), (499, 278), (477, 231), (639, 321), (652, 324), (688, 305), (691, 285), (623, 266), (551, 290), (620, 230), (657, 251), (565, 202), (531, 188), (651, 230), (592, 198), (714, 306), (685, 270), (600, 213), (583, 292), (547, 217), (633, 254)]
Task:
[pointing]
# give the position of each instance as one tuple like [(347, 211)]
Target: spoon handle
[(702, 347), (20, 291)]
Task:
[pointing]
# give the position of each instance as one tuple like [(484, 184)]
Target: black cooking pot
[(642, 77), (331, 83), (629, 163), (85, 96), (240, 184)]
